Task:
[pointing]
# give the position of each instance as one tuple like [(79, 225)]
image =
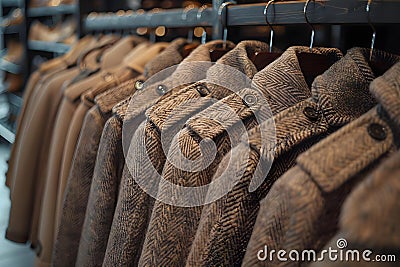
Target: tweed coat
[(70, 106), (230, 219), (127, 235), (35, 133), (131, 66), (301, 211), (80, 177), (104, 188), (111, 78), (172, 228), (369, 218)]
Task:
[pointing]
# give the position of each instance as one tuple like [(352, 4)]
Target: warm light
[(160, 31), (120, 13), (198, 31), (141, 31), (55, 2)]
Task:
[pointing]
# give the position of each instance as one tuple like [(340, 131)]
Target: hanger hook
[(184, 18), (224, 21), (271, 30), (368, 9), (199, 16), (309, 24)]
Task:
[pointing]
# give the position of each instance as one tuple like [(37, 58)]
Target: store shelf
[(48, 47), (52, 10), (15, 100), (11, 3), (3, 87), (11, 29), (6, 132)]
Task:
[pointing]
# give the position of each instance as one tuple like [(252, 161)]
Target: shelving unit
[(7, 125), (52, 11), (7, 132), (12, 3), (58, 48), (11, 29)]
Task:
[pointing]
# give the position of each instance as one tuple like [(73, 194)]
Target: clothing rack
[(335, 12), (171, 18)]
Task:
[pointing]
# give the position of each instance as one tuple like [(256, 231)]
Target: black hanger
[(264, 58), (312, 64), (217, 52), (379, 67), (187, 48)]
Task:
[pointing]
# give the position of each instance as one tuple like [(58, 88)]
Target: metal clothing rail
[(333, 12), (318, 12), (171, 18)]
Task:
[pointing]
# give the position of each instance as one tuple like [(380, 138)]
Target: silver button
[(250, 100), (161, 89), (139, 84)]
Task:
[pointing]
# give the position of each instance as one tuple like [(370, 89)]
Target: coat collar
[(172, 77), (343, 90), (353, 148), (280, 85), (205, 92)]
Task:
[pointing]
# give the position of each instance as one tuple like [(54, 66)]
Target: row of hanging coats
[(131, 153)]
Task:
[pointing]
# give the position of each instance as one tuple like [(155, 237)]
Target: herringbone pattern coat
[(134, 204), (173, 228), (107, 173), (230, 220), (369, 218), (301, 211), (80, 177)]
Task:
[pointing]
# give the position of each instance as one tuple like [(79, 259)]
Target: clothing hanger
[(152, 31), (217, 52), (379, 67), (190, 46), (263, 59), (199, 15), (312, 64)]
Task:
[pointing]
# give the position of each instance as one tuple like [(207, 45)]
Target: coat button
[(108, 78), (377, 131), (161, 89), (311, 113), (202, 90), (139, 85), (249, 100)]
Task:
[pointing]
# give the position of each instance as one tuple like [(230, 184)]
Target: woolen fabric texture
[(230, 219), (369, 217), (216, 86), (68, 107), (80, 177), (37, 78), (126, 236), (301, 211), (282, 84), (220, 126), (111, 78), (31, 152), (104, 188)]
